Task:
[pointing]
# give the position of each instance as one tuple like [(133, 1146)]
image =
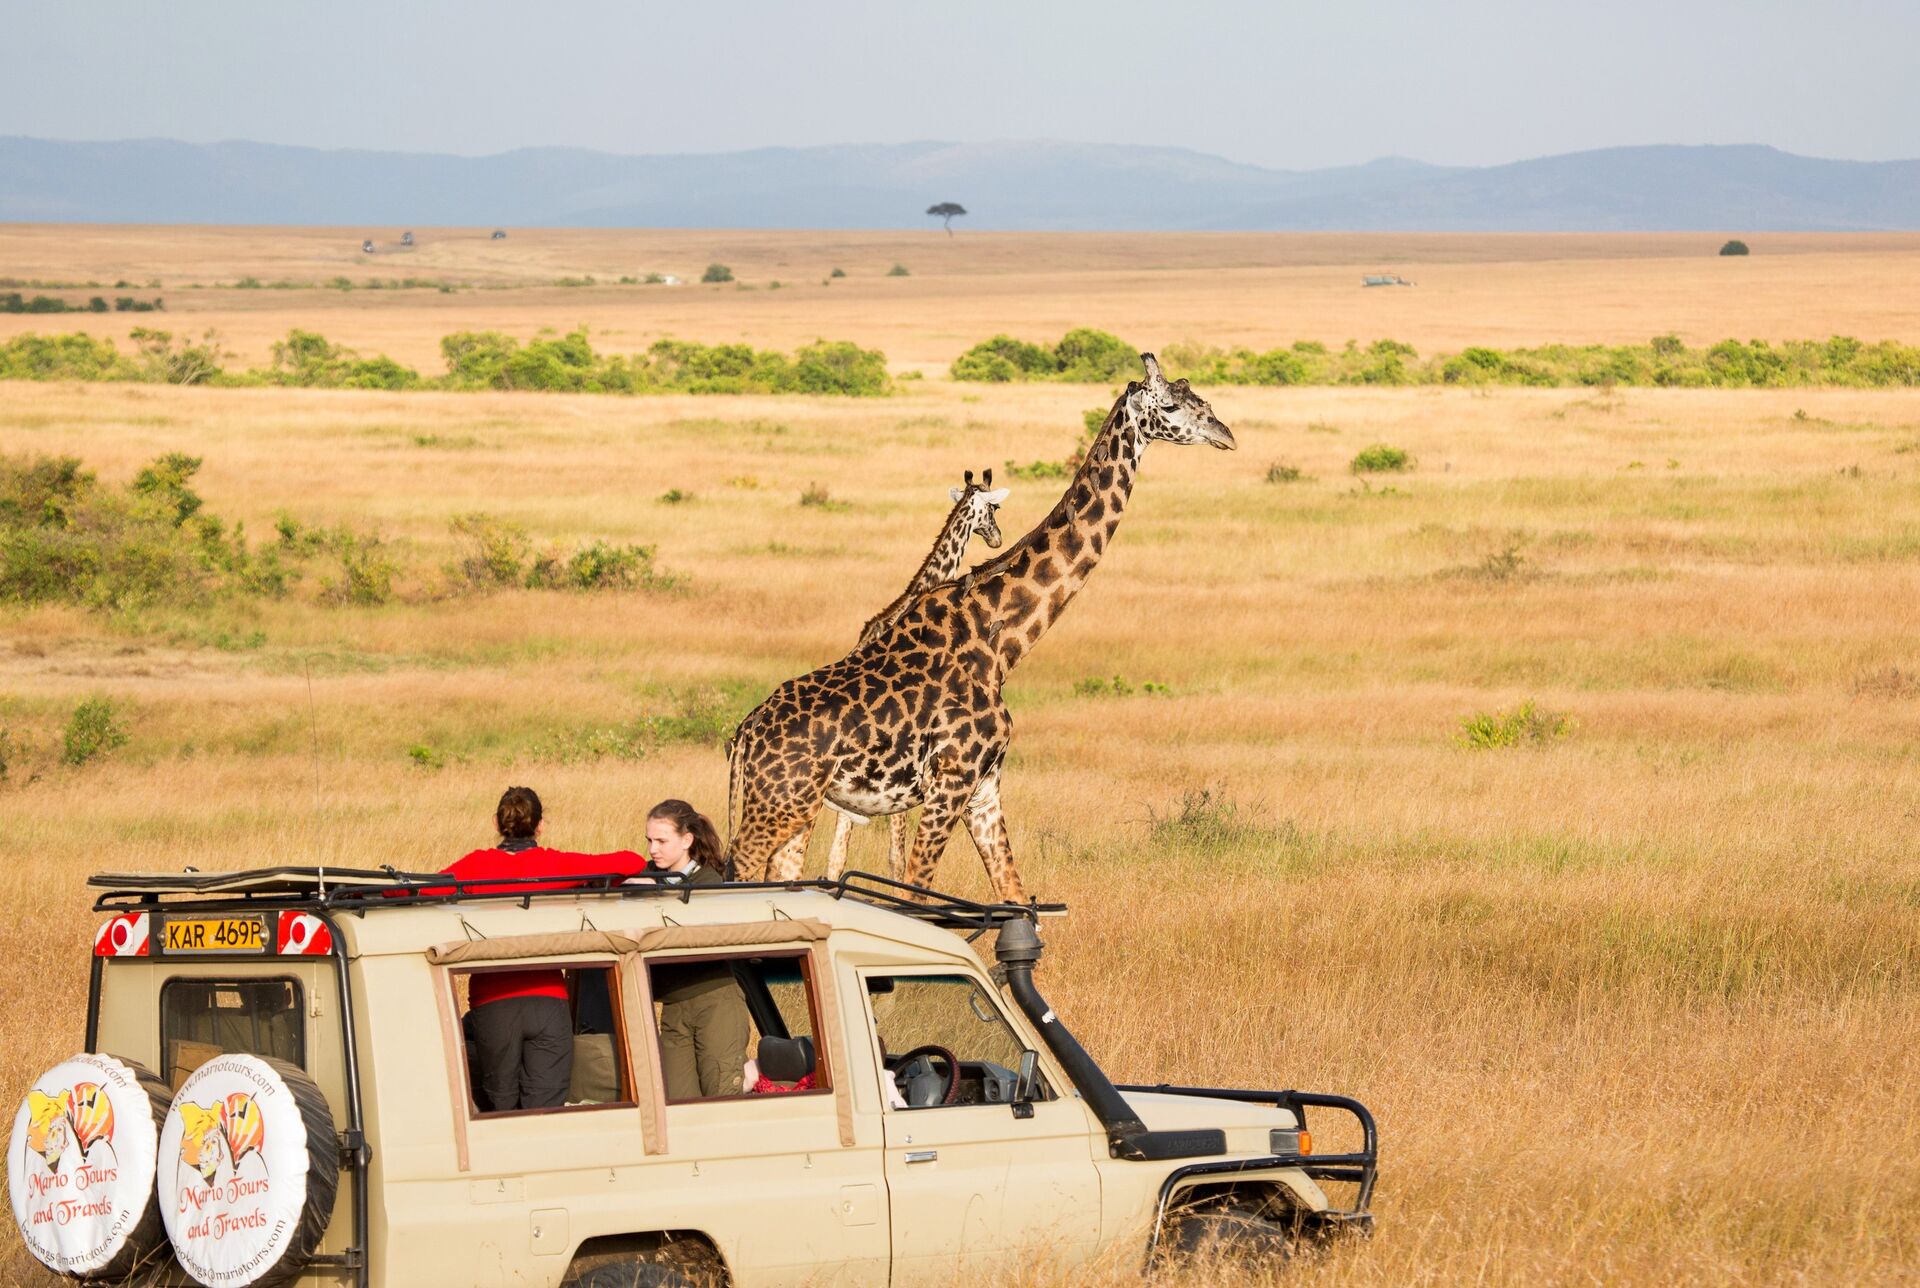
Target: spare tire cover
[(80, 1166), (248, 1168)]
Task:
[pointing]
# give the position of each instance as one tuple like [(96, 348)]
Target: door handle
[(922, 1155)]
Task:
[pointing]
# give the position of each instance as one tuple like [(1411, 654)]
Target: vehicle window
[(921, 1020), (737, 1026), (203, 1018), (544, 1039)]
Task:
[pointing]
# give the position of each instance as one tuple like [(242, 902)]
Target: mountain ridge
[(1010, 184)]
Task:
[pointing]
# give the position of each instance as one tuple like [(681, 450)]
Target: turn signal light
[(1284, 1141)]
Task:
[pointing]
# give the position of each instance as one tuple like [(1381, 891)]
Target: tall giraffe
[(914, 716), (975, 507)]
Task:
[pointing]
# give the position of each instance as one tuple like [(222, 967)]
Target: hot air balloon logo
[(243, 1126), (203, 1141), (49, 1128), (92, 1115)]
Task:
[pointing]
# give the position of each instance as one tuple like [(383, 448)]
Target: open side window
[(944, 1042), (586, 1054), (738, 1025)]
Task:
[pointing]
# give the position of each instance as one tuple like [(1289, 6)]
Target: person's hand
[(750, 1074)]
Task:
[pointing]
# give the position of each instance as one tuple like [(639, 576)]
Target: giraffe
[(914, 716), (974, 512)]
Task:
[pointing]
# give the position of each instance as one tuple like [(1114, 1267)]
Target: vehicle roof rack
[(361, 889)]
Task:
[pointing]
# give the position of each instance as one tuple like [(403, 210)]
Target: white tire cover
[(80, 1165), (248, 1168)]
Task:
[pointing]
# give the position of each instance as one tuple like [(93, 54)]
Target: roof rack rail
[(359, 889)]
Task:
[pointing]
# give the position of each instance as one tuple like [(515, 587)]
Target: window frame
[(236, 981), (622, 1047), (824, 1083), (985, 987)]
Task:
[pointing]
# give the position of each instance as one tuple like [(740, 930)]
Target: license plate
[(215, 935)]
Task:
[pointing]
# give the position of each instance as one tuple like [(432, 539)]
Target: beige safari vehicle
[(296, 1037)]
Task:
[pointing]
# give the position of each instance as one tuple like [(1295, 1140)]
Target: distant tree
[(946, 210), (1735, 247), (717, 273)]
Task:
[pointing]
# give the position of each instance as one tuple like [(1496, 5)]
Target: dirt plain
[(1635, 1003)]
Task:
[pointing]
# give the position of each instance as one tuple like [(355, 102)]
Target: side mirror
[(1026, 1084)]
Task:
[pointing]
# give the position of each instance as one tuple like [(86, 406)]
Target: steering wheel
[(938, 1053)]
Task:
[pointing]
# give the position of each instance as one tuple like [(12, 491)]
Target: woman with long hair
[(703, 1014), (682, 840)]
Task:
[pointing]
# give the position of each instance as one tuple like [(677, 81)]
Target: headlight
[(1288, 1140)]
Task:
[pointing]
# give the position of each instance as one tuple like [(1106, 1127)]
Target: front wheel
[(1226, 1236)]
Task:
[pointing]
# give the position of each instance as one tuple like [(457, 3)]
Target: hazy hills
[(1009, 185)]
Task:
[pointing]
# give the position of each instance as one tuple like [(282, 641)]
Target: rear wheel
[(633, 1274)]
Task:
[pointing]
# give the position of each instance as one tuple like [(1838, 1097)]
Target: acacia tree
[(946, 210)]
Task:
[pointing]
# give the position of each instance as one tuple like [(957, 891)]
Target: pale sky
[(1288, 85)]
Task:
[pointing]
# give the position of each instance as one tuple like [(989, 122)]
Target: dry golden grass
[(1633, 1006), (1152, 289)]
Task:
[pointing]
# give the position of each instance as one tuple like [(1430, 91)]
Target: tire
[(115, 1125), (230, 1109), (633, 1274), (1229, 1236)]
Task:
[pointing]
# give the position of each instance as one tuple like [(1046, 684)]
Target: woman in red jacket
[(519, 1021)]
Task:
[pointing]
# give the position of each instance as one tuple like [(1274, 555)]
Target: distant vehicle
[(406, 239), (1385, 279), (499, 234), (366, 247)]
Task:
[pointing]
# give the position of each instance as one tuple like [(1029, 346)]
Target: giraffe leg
[(988, 827), (938, 813), (791, 856), (896, 844), (842, 836)]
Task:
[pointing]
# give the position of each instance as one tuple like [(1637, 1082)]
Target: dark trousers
[(523, 1049)]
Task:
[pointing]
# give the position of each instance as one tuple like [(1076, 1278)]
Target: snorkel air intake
[(1127, 1137)]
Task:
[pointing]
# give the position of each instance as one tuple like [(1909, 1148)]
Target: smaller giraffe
[(975, 507)]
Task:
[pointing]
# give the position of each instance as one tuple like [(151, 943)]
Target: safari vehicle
[(297, 1033)]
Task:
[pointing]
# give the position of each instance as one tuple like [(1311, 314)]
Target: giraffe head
[(1171, 411), (982, 502)]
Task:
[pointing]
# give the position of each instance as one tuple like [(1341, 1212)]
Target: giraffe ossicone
[(913, 716)]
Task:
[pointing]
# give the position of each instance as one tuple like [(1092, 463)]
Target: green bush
[(1663, 361), (494, 551), (1037, 470), (1525, 725), (1280, 472), (308, 360), (816, 496), (65, 538), (93, 731), (178, 362), (1379, 459), (898, 270), (1734, 247), (364, 570), (838, 272), (600, 565), (1083, 354), (717, 273)]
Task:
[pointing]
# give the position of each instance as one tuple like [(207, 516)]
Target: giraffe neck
[(941, 564), (1024, 591)]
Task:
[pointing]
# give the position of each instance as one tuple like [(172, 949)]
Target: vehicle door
[(975, 1187)]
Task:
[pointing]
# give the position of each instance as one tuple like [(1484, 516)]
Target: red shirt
[(535, 861)]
